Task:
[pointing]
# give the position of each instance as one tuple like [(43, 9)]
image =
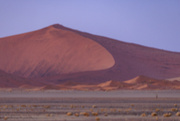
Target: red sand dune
[(174, 79), (112, 85), (56, 54), (137, 83), (143, 82), (131, 60), (141, 79), (52, 51)]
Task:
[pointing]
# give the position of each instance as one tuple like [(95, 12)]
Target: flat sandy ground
[(124, 105)]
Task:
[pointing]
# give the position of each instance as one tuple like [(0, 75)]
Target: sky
[(153, 23)]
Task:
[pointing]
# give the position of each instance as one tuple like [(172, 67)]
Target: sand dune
[(133, 60), (57, 54), (173, 79), (141, 79), (143, 82), (137, 83), (52, 51)]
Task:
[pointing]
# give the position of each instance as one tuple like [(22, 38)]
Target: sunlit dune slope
[(52, 51)]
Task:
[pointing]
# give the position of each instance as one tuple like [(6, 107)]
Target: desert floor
[(124, 105)]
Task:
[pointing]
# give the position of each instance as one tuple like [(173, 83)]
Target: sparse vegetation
[(178, 114), (143, 115), (105, 114), (5, 117), (97, 119), (153, 114), (76, 114), (73, 111), (94, 106), (69, 114), (167, 115), (158, 110), (94, 113), (174, 109)]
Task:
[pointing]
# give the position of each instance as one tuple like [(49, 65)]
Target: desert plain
[(71, 105), (62, 74)]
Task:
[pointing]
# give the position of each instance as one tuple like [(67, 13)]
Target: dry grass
[(105, 114), (94, 113), (23, 106), (94, 106), (158, 110), (76, 114), (5, 117), (97, 119), (174, 109), (178, 114), (69, 113), (132, 105), (143, 115), (85, 114), (167, 115), (46, 106), (153, 114)]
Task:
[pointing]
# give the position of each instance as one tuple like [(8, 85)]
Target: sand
[(57, 54), (124, 105)]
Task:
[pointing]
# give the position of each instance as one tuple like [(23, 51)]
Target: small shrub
[(178, 114), (76, 114), (105, 114), (174, 109), (153, 114), (97, 119), (94, 106), (84, 113), (47, 106), (175, 105), (143, 115), (94, 113), (158, 110), (23, 106), (5, 117), (167, 115), (69, 114), (132, 105)]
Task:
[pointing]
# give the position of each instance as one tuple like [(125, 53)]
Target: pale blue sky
[(154, 23)]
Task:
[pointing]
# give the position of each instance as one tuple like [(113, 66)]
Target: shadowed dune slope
[(52, 51), (131, 60)]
